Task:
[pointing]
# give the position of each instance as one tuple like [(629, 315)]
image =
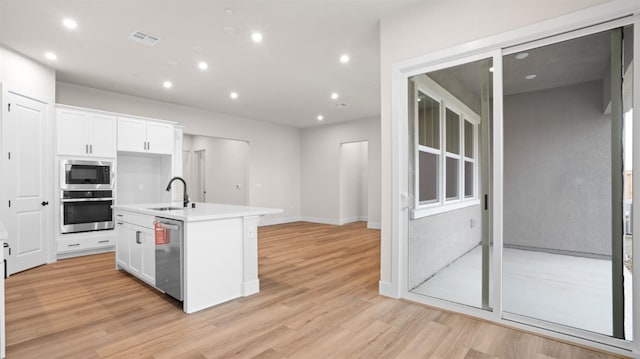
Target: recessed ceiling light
[(491, 69), (522, 55), (320, 117), (334, 96), (256, 37), (344, 58), (203, 65), (419, 99), (531, 77), (233, 95), (167, 84), (69, 23), (51, 56), (228, 11)]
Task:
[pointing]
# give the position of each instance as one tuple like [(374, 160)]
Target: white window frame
[(442, 204), (473, 159)]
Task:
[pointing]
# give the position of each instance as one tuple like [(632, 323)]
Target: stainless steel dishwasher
[(169, 256)]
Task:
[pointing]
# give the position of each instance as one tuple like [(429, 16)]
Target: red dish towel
[(162, 235)]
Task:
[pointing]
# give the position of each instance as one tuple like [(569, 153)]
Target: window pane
[(452, 178), (428, 121), (468, 139), (468, 179), (453, 132), (428, 185)]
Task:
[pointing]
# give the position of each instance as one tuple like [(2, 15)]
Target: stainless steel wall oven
[(82, 211)]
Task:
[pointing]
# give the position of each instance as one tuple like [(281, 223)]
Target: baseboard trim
[(250, 287), (274, 221), (387, 289), (352, 219), (321, 220), (374, 225), (558, 251)]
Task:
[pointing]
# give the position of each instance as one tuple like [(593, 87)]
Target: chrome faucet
[(185, 198)]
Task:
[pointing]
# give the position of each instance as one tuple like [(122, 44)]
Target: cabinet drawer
[(83, 244), (142, 220)]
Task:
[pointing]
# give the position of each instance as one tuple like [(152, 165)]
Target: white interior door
[(24, 144)]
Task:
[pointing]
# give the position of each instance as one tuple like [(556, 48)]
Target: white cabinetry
[(136, 135), (86, 133), (95, 242), (135, 245)]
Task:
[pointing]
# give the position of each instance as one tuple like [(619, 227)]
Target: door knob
[(44, 203)]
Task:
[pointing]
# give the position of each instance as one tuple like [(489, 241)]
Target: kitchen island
[(218, 249)]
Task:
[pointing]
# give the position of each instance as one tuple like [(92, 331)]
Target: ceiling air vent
[(143, 38)]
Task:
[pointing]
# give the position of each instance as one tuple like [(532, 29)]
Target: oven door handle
[(86, 199)]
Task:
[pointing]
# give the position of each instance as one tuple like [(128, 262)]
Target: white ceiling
[(286, 79)]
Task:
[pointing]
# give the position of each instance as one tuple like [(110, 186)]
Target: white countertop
[(202, 212), (3, 233)]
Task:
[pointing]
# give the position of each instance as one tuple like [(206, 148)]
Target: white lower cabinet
[(70, 243), (135, 246), (148, 269)]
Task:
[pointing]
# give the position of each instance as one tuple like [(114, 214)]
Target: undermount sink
[(166, 208)]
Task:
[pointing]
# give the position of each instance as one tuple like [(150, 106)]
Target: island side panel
[(251, 283), (213, 257)]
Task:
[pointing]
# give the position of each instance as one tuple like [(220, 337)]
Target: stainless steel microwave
[(78, 174)]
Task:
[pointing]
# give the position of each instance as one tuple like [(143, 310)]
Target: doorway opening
[(216, 169), (354, 189)]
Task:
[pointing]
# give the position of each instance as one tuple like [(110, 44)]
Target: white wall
[(226, 167), (275, 150), (32, 79), (142, 179), (353, 182), (435, 25), (321, 169)]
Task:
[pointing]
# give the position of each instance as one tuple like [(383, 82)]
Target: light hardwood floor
[(318, 299)]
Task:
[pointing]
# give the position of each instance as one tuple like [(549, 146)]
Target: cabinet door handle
[(86, 148), (120, 215), (148, 146), (90, 148), (138, 240), (104, 241), (120, 223), (73, 245)]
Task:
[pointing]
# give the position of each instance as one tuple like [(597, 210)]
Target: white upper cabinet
[(136, 135), (86, 133), (132, 135)]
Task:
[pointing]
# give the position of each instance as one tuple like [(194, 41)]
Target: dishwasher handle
[(167, 226)]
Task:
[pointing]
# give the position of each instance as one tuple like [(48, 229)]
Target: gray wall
[(436, 241), (557, 169)]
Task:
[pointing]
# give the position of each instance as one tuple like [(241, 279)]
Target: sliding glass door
[(535, 157)]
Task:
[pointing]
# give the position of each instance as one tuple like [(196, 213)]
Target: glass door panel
[(564, 181), (449, 242)]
